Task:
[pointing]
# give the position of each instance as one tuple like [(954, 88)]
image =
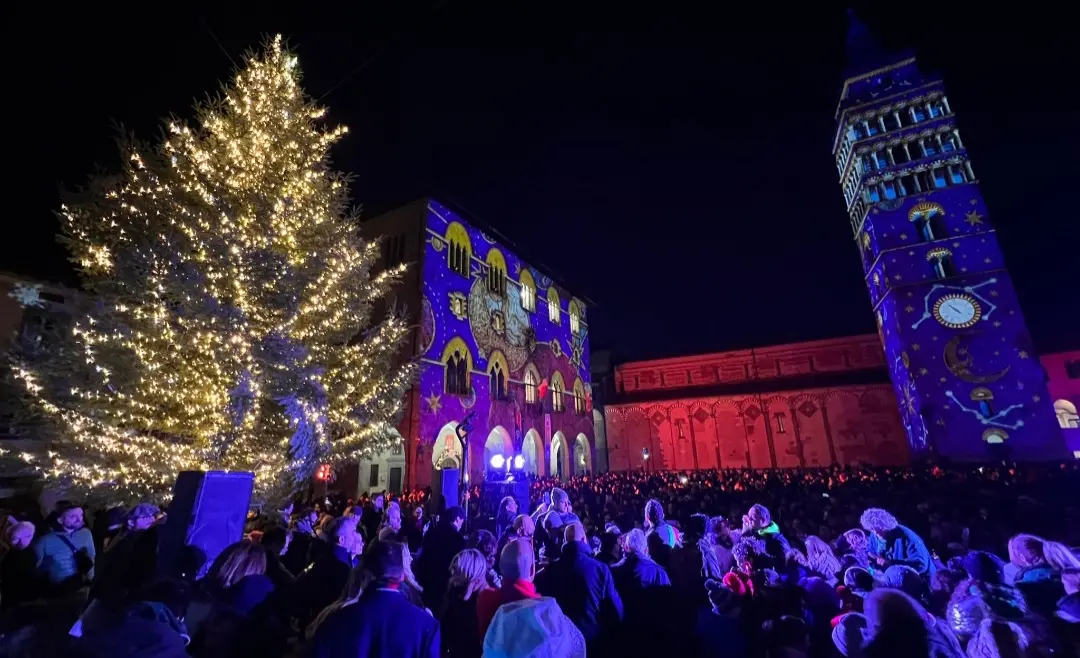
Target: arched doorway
[(532, 448), (582, 456), (560, 457), (498, 443), (446, 453)]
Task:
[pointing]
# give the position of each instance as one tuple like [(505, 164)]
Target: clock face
[(957, 311)]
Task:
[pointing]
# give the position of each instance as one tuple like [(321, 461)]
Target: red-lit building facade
[(786, 406)]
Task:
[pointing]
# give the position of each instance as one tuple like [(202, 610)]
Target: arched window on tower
[(929, 220), (459, 248), (941, 261), (1066, 414)]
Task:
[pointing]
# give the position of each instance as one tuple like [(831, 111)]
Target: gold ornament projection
[(230, 317)]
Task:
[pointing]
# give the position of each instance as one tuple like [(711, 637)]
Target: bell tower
[(968, 382)]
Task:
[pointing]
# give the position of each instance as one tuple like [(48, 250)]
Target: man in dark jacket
[(441, 544), (893, 544), (644, 588), (323, 582), (382, 623), (584, 588), (758, 524)]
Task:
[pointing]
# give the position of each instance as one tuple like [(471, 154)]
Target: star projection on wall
[(990, 420)]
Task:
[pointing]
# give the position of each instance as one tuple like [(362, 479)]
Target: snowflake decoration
[(27, 295)]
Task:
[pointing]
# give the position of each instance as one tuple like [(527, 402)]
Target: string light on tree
[(232, 327)]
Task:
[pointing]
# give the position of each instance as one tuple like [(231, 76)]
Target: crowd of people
[(941, 562)]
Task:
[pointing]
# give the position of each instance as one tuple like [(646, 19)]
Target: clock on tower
[(958, 350)]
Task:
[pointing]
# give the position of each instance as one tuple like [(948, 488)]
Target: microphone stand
[(462, 431)]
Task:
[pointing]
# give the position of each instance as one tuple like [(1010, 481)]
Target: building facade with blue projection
[(498, 342), (961, 359)]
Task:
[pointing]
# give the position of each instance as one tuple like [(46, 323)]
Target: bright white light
[(519, 461), (684, 480), (497, 461)]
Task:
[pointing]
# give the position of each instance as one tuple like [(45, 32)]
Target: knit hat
[(858, 581), (905, 579)]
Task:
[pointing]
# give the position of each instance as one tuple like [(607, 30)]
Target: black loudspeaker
[(447, 484), (206, 515)]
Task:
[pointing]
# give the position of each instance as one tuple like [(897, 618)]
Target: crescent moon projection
[(959, 361)]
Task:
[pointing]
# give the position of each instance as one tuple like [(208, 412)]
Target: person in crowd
[(414, 530), (850, 634), (522, 528), (855, 547), (716, 533), (441, 544), (150, 625), (239, 623), (116, 577), (892, 543), (819, 560), (901, 628), (1038, 566), (19, 577), (391, 527), (787, 637), (409, 584), (584, 589), (277, 539), (518, 565), (484, 541), (533, 627), (64, 556), (323, 583), (382, 623), (661, 535), (758, 523), (719, 629), (560, 514), (458, 618), (508, 511), (638, 580), (302, 525)]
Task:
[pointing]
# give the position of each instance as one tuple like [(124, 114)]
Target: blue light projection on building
[(961, 359)]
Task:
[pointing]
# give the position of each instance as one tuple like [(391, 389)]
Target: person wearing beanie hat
[(905, 579), (850, 634), (858, 581)]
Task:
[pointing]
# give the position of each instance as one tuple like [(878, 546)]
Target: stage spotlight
[(683, 480), (498, 461), (519, 462)]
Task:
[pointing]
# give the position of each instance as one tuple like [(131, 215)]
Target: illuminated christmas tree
[(229, 324)]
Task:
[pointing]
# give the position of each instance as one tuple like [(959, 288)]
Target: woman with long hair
[(819, 560), (239, 589), (1039, 564), (457, 616)]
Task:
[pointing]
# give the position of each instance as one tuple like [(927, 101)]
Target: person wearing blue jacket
[(892, 544)]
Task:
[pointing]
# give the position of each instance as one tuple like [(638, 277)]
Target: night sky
[(671, 165)]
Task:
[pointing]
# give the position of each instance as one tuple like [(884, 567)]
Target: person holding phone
[(893, 544)]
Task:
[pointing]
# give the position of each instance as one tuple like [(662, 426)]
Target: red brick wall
[(821, 426)]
